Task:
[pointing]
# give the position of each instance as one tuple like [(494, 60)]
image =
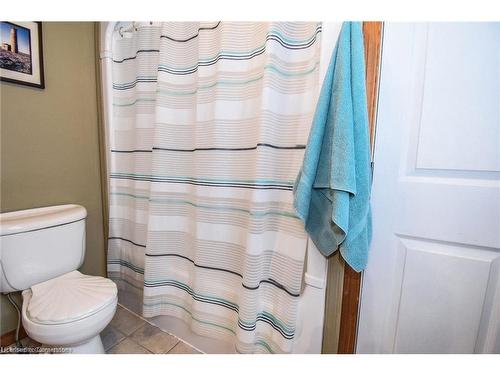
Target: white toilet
[(40, 251)]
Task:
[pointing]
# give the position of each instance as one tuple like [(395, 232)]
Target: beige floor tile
[(111, 336), (128, 346), (182, 348), (126, 322), (154, 339)]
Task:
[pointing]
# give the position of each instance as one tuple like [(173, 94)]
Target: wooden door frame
[(343, 283)]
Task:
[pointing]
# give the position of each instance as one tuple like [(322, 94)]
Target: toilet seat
[(67, 311), (70, 297)]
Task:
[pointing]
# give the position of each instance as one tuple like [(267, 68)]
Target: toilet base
[(92, 346)]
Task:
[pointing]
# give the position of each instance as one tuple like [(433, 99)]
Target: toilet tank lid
[(40, 218)]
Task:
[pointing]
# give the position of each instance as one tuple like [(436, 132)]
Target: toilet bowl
[(70, 311), (40, 250)]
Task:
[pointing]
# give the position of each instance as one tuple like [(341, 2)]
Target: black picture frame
[(41, 83)]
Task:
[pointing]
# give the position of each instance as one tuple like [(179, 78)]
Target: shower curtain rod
[(129, 26)]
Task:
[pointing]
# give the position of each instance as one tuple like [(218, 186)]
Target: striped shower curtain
[(210, 122)]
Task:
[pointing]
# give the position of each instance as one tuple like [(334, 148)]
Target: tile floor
[(129, 333)]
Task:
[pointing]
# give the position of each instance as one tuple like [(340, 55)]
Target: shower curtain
[(210, 122)]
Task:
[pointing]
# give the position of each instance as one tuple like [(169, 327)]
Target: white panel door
[(432, 284)]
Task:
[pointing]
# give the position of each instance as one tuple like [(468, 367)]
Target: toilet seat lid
[(69, 297)]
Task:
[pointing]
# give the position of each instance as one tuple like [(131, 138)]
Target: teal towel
[(332, 191)]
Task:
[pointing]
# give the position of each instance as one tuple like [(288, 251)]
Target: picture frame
[(21, 53)]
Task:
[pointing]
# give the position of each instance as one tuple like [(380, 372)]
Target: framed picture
[(21, 58)]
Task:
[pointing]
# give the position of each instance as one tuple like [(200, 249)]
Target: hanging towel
[(332, 190)]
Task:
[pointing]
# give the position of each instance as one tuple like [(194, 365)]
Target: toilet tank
[(39, 244)]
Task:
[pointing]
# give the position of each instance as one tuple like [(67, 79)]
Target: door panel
[(432, 282), (460, 95), (440, 310)]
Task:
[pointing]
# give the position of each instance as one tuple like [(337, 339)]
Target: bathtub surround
[(332, 192), (208, 134), (49, 140)]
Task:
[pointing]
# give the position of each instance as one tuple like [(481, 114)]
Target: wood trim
[(351, 289), (349, 312), (9, 338), (102, 140), (334, 282), (372, 32)]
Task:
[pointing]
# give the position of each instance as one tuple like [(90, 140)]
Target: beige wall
[(50, 143)]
